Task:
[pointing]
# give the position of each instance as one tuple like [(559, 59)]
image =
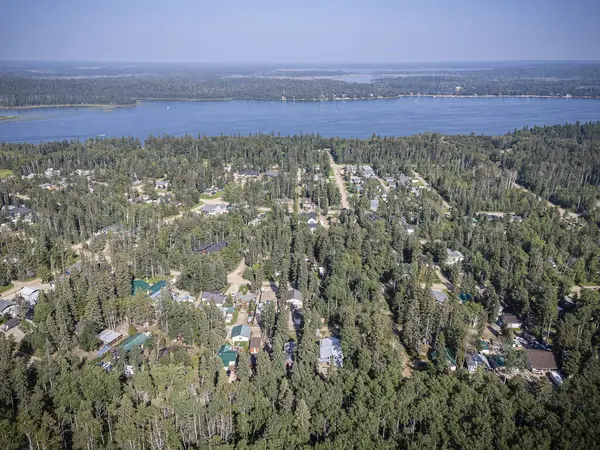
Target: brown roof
[(511, 319), (541, 359), (255, 342)]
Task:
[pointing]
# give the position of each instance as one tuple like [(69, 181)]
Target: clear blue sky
[(299, 31)]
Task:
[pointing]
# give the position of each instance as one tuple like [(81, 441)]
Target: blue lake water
[(398, 117)]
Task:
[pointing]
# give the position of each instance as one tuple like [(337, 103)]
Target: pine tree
[(92, 308)]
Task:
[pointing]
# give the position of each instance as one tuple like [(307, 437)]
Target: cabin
[(30, 295), (214, 210), (255, 345), (228, 355), (9, 324), (453, 257), (439, 296), (109, 337), (330, 349), (8, 307), (240, 333), (541, 361), (510, 321), (295, 298), (162, 185)]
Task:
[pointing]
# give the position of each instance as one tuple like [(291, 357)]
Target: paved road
[(339, 181)]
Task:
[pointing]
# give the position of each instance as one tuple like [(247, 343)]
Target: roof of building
[(311, 216), (294, 294), (215, 247), (161, 182), (510, 319), (541, 359), (27, 290), (214, 207), (439, 296), (454, 254), (447, 354), (216, 297), (108, 336), (228, 355), (331, 347), (255, 342), (140, 285), (157, 287), (11, 323), (4, 304), (134, 341), (241, 330)]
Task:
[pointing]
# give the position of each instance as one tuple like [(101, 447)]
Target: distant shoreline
[(110, 106)]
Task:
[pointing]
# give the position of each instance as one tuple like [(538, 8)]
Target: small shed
[(255, 345)]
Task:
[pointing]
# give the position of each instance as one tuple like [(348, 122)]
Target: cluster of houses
[(16, 213)]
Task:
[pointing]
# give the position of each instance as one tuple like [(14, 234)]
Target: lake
[(397, 117)]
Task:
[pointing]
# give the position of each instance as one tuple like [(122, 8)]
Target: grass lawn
[(211, 197), (5, 173), (235, 316), (6, 288)]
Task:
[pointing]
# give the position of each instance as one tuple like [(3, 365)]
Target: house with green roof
[(240, 333), (451, 362), (140, 285), (228, 356), (152, 290)]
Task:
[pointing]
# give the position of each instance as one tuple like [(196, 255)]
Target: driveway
[(339, 181), (236, 278)]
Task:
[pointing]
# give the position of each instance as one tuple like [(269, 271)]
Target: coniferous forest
[(65, 85), (97, 224)]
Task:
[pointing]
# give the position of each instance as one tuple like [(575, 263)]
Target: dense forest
[(575, 80), (364, 277)]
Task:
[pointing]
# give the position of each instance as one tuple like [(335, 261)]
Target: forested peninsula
[(566, 80)]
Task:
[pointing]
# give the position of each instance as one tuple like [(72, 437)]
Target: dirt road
[(445, 204), (236, 278), (561, 211), (339, 181)]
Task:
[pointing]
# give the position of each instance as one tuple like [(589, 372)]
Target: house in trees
[(218, 299), (152, 290), (8, 307), (255, 345), (440, 296), (330, 349), (208, 249), (295, 298), (214, 210), (453, 257), (9, 324), (510, 321), (228, 355), (16, 213), (109, 337), (475, 360), (541, 361), (30, 295), (163, 185), (240, 333), (448, 359)]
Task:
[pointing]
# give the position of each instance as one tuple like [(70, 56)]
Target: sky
[(301, 31)]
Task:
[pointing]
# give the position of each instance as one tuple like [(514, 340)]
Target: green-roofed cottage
[(228, 356)]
